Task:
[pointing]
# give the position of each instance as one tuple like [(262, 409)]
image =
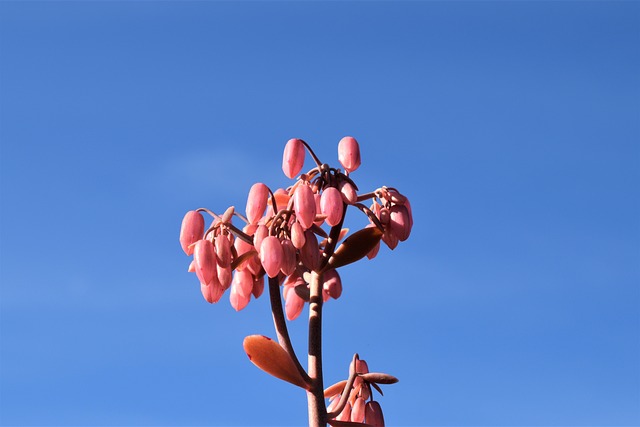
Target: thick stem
[(281, 325), (315, 396)]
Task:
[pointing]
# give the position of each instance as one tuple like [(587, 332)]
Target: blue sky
[(514, 128)]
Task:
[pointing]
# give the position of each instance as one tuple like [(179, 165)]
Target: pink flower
[(332, 285), (211, 292), (310, 253), (304, 205), (236, 298), (205, 260), (331, 205), (223, 250), (297, 235), (349, 153), (293, 158), (293, 303), (400, 222), (373, 414), (289, 257), (191, 230), (357, 412), (257, 202), (271, 255), (349, 194)]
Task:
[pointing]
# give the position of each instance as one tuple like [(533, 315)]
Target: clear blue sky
[(514, 127)]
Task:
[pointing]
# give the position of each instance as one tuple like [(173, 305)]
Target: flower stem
[(281, 325), (315, 396)]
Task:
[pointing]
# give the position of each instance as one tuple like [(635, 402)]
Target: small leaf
[(337, 388), (269, 356), (355, 247), (319, 231), (379, 378)]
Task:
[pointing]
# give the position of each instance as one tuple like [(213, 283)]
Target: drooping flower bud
[(349, 194), (261, 232), (191, 230), (349, 153), (373, 414), (293, 158), (211, 292), (225, 276), (304, 205), (271, 255), (332, 285), (331, 205), (310, 254), (400, 222), (293, 304), (289, 259), (223, 250), (357, 412), (205, 260), (243, 282), (257, 202), (258, 286), (362, 367), (237, 300), (297, 235), (345, 415)]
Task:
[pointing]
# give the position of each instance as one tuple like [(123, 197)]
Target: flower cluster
[(283, 236), (352, 399)]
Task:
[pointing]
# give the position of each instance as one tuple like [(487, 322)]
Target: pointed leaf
[(269, 356), (355, 247), (337, 388)]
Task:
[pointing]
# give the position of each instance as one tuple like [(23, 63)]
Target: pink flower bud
[(223, 250), (192, 267), (331, 205), (400, 222), (271, 255), (310, 254), (211, 292), (293, 304), (349, 195), (334, 401), (384, 216), (345, 415), (357, 412), (304, 205), (349, 153), (258, 286), (289, 258), (390, 238), (362, 367), (373, 414), (191, 230), (225, 276), (205, 258), (293, 158), (297, 235), (257, 202), (261, 232), (243, 282), (237, 300), (332, 284)]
